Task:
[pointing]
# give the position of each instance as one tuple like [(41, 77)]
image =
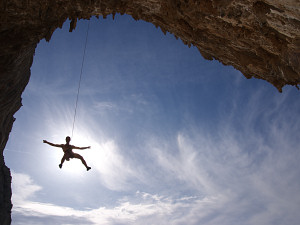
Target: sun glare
[(81, 138), (102, 157)]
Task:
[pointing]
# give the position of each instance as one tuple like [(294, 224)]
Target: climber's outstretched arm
[(49, 143), (81, 148)]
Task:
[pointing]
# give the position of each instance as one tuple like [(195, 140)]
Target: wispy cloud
[(104, 105), (115, 172), (249, 166), (23, 187), (138, 209), (247, 170)]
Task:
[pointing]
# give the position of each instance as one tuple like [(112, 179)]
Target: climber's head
[(68, 139)]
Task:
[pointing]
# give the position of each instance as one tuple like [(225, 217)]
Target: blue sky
[(175, 139)]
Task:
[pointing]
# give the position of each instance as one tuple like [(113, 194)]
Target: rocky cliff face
[(259, 38)]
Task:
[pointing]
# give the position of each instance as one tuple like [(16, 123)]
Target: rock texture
[(259, 38)]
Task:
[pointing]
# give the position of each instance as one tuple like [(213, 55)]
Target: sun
[(79, 139), (98, 157)]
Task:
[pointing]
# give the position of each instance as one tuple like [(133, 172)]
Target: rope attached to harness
[(78, 90)]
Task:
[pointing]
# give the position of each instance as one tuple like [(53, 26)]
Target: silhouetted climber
[(68, 153)]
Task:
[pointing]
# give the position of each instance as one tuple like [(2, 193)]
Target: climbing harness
[(78, 90)]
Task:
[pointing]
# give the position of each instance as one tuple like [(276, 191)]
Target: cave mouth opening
[(52, 72), (20, 39)]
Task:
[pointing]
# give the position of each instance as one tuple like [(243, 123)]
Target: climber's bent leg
[(62, 161), (82, 160)]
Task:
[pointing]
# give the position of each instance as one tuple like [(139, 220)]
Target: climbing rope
[(78, 90)]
